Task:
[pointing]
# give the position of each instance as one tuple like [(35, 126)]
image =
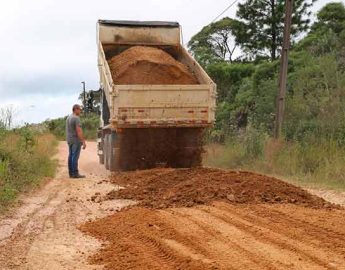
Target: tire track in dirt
[(42, 233), (238, 256), (307, 251), (220, 236), (145, 244), (239, 238), (16, 246), (316, 224), (316, 229)]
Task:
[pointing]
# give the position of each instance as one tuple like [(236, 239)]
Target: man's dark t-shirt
[(71, 129)]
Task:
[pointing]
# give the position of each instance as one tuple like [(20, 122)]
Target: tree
[(331, 16), (263, 23), (327, 34), (215, 42), (93, 101), (7, 115)]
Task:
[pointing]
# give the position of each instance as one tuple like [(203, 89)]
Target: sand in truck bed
[(148, 65)]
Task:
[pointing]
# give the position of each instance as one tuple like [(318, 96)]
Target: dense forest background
[(242, 57)]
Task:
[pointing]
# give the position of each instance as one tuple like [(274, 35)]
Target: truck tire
[(100, 145), (110, 152), (101, 156), (101, 159), (113, 152), (106, 151)]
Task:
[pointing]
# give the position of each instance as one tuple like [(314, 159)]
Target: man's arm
[(81, 135)]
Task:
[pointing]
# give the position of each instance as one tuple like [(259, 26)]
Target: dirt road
[(207, 218), (42, 233), (222, 236)]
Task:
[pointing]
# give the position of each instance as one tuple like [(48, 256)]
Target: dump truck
[(149, 125)]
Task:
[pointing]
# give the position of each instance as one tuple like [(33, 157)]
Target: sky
[(48, 47)]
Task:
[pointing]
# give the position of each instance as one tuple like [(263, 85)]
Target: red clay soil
[(132, 234), (221, 236), (239, 220), (148, 65), (163, 188)]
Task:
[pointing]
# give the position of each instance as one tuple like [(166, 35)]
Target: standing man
[(75, 140)]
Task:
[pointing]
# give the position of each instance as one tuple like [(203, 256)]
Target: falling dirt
[(147, 148), (221, 236), (162, 188), (148, 65)]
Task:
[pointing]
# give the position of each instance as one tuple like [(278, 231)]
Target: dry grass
[(25, 159), (312, 165)]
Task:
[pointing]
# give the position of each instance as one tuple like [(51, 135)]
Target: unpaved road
[(206, 218), (42, 233), (332, 196), (222, 236)]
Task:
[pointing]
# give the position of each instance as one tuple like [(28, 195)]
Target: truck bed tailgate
[(163, 105)]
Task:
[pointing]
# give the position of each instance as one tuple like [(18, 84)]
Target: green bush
[(90, 124), (229, 78), (253, 142)]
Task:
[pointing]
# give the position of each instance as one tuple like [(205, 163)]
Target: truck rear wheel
[(106, 148), (100, 147), (101, 159), (114, 152)]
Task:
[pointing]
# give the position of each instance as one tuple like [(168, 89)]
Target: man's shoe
[(78, 176)]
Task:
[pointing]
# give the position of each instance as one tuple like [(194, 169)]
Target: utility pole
[(84, 97), (283, 69)]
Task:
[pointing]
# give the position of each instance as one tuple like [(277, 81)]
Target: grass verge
[(312, 165)]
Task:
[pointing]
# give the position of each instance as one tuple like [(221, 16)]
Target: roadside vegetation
[(89, 121), (90, 118), (312, 148), (25, 160)]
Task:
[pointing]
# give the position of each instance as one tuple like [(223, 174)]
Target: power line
[(225, 10)]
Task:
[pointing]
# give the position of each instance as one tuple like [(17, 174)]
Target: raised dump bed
[(157, 100)]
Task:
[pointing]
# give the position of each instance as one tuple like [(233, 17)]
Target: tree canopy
[(215, 42), (263, 24), (331, 16), (327, 33)]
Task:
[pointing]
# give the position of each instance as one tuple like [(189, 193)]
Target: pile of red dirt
[(163, 188), (148, 65)]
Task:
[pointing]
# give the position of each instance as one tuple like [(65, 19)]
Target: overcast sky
[(49, 46)]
